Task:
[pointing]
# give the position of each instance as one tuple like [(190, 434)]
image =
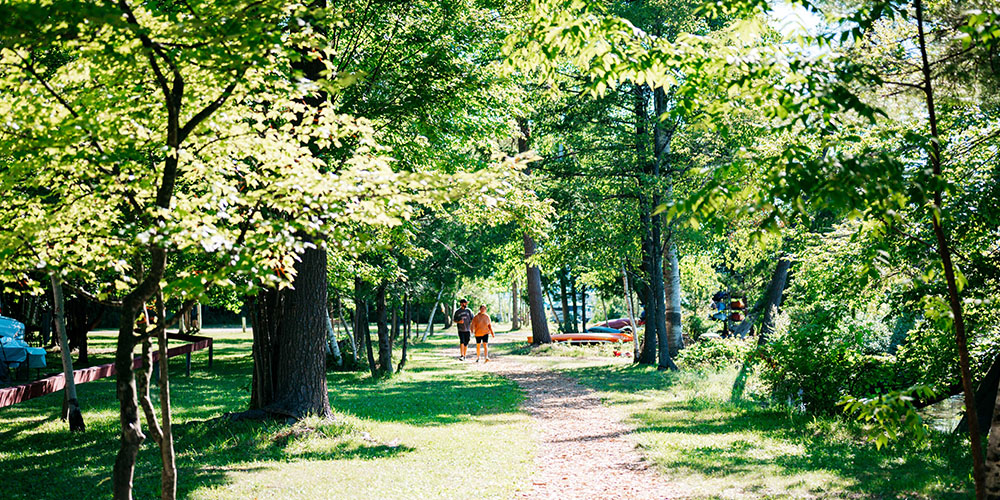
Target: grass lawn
[(689, 425), (427, 433)]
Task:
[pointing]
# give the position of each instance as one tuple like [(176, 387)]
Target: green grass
[(705, 435), (428, 432)]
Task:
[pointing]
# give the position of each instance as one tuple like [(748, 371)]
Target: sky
[(791, 19)]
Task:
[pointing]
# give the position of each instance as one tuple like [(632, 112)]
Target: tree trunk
[(72, 406), (448, 310), (675, 335), (576, 310), (993, 454), (394, 331), (82, 316), (168, 474), (944, 252), (301, 368), (769, 301), (430, 321), (583, 312), (362, 328), (332, 348), (384, 342), (650, 246), (631, 315), (564, 320), (406, 331), (131, 435), (773, 299), (536, 304), (515, 299), (668, 333), (266, 310), (350, 334), (986, 395)]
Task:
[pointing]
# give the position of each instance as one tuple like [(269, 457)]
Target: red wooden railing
[(18, 393)]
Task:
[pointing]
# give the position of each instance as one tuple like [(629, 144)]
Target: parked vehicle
[(14, 351)]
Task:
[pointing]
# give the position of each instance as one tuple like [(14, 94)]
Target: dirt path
[(585, 449)]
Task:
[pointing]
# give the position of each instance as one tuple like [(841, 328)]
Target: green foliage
[(892, 415), (716, 354)]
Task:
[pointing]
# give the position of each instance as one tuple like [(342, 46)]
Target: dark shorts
[(485, 339), (463, 337)]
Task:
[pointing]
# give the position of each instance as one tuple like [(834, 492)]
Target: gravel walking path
[(585, 449)]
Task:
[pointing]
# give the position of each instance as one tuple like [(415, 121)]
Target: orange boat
[(590, 338)]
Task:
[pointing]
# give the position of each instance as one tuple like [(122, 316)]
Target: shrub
[(715, 354)]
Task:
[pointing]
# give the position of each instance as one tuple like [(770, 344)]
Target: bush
[(715, 354), (825, 357)]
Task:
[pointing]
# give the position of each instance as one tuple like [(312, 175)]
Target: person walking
[(463, 318), (482, 329)]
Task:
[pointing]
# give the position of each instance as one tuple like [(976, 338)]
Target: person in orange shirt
[(482, 329)]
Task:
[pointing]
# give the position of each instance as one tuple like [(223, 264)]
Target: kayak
[(590, 337)]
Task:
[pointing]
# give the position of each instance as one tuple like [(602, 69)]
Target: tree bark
[(675, 335), (650, 245), (668, 330), (576, 310), (82, 316), (350, 334), (406, 331), (168, 473), (301, 381), (266, 312), (536, 304), (131, 436), (993, 455), (72, 406), (362, 328), (986, 396), (515, 299), (384, 340), (332, 348), (564, 320), (631, 315), (430, 321), (944, 252), (583, 312), (773, 299)]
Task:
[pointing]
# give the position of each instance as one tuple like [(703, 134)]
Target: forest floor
[(549, 422)]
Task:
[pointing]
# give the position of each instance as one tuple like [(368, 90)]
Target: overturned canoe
[(590, 337)]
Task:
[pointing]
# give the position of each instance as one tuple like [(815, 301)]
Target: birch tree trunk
[(350, 334), (515, 299), (71, 409), (332, 347), (430, 321), (675, 335)]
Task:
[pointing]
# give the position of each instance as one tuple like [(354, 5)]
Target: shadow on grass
[(739, 443), (41, 460), (431, 397)]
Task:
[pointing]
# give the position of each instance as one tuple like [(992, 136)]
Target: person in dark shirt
[(463, 319)]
